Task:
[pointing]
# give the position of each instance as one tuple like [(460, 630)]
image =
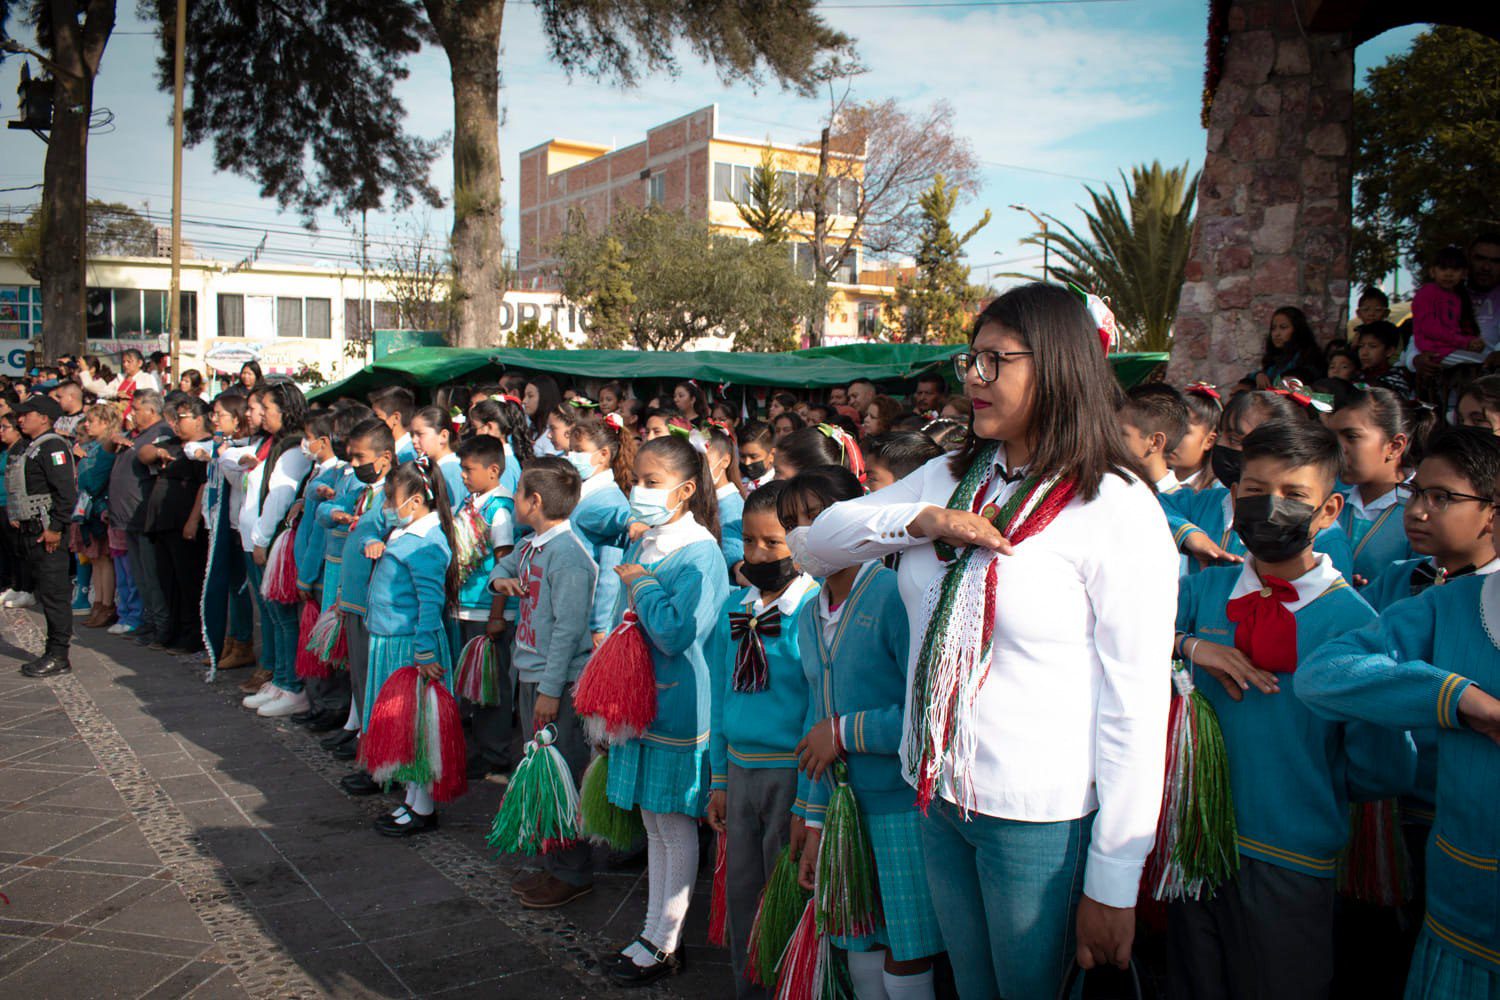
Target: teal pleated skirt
[(911, 927), (389, 653), (658, 779)]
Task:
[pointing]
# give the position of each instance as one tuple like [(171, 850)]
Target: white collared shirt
[(1369, 511), (1168, 483), (602, 479), (1191, 482), (420, 527), (728, 489), (502, 527), (787, 602), (658, 543), (1309, 586), (563, 527)]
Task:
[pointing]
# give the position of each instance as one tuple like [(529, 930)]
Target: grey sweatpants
[(575, 865), (758, 814), (1265, 935), (359, 659)]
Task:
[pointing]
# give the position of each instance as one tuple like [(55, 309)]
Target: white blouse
[(1073, 713)]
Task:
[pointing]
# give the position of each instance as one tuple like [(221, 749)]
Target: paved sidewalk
[(157, 840)]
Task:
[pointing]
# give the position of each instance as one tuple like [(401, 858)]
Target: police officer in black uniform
[(42, 488)]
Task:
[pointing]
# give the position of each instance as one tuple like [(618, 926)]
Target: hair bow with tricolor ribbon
[(1103, 317), (1205, 389), (507, 397), (723, 426), (854, 458), (583, 403), (614, 421), (1297, 392)]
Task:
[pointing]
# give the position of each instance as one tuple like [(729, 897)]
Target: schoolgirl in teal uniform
[(729, 488), (603, 454), (503, 418), (1376, 436), (760, 698), (309, 546), (675, 581), (1211, 511), (1291, 777), (1428, 663), (853, 638), (435, 438), (414, 569)]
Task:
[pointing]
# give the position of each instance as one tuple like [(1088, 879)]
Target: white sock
[(671, 866), (914, 987), (656, 868), (352, 723), (865, 971), (420, 799)]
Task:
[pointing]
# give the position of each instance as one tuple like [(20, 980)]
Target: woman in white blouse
[(1046, 785)]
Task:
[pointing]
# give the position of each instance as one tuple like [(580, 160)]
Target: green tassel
[(848, 894), (1207, 851), (603, 821), (781, 906), (539, 813)]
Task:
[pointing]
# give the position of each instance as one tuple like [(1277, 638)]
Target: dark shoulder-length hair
[(1073, 423)]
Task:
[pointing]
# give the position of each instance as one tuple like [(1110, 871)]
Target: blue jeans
[(278, 633), (1006, 895), (127, 598)]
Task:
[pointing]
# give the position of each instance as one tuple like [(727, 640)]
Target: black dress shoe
[(303, 718), (359, 783), (387, 826), (48, 666), (345, 751), (328, 720), (630, 975), (338, 739)]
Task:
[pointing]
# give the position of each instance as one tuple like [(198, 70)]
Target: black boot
[(48, 666)]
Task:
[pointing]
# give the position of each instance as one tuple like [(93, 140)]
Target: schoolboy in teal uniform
[(328, 697), (760, 699), (413, 571), (1269, 931), (492, 509), (340, 495), (553, 575), (1428, 663), (854, 640), (675, 581), (1374, 433), (603, 455), (394, 406)]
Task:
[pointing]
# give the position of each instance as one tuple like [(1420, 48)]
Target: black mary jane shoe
[(327, 721), (47, 666), (629, 975), (338, 739), (617, 957), (359, 783), (388, 825), (345, 751)]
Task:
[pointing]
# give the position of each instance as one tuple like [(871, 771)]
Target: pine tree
[(936, 304), (767, 208)]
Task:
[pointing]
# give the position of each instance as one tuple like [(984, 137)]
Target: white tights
[(671, 866)]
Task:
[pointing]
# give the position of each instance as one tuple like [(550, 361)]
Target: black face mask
[(366, 474), (1274, 528), (752, 470), (1226, 462), (771, 576)]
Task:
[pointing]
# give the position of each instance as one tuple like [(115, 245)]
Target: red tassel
[(280, 581), (449, 767), (390, 740), (799, 972), (718, 910), (308, 664), (341, 648), (616, 694)]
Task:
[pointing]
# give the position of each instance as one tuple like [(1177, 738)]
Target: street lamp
[(1046, 271)]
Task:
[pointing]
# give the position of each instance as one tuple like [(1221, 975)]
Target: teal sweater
[(1293, 774), (1376, 542), (346, 491), (1188, 511), (758, 729), (354, 581), (599, 520), (1408, 670), (310, 543), (407, 595)]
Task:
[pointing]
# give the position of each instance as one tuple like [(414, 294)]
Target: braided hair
[(421, 478)]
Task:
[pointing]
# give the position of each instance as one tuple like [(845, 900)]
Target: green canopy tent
[(430, 367)]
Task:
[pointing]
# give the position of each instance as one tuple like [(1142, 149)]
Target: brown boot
[(237, 654), (552, 893), (255, 681), (104, 615)]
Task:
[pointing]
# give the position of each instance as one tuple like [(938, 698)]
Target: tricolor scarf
[(752, 669), (955, 656), (471, 538)]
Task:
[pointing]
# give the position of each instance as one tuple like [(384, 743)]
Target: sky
[(1053, 95)]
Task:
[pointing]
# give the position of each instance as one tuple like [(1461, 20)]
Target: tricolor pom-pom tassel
[(478, 677), (539, 813), (326, 640), (415, 736), (1196, 839), (1374, 868), (280, 581), (308, 665), (848, 895), (390, 740), (443, 734), (810, 969), (470, 541), (616, 695), (603, 821), (718, 907), (781, 903)]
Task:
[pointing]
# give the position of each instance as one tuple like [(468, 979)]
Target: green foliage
[(1426, 173), (657, 279), (768, 208), (113, 230), (937, 304), (1135, 254), (531, 334)]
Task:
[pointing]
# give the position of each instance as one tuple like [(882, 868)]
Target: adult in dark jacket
[(42, 489)]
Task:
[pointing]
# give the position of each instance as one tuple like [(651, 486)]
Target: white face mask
[(650, 506), (796, 543)]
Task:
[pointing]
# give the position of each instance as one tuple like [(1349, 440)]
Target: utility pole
[(1046, 247), (179, 56)]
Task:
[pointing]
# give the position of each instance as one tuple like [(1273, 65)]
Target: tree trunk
[(470, 35), (821, 267), (63, 257)]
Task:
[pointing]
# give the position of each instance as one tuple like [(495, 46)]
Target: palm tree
[(1136, 251)]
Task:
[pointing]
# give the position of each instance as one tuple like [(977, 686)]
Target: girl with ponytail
[(435, 437), (603, 453), (723, 454)]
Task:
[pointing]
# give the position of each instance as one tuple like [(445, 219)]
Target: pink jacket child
[(1440, 322)]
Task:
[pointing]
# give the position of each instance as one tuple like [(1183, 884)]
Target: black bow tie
[(1426, 574), (751, 668)]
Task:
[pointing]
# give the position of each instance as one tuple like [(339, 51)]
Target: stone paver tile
[(125, 941), (426, 976), (220, 986), (93, 791), (401, 918), (214, 814), (448, 939), (126, 845), (269, 884), (185, 981), (354, 971), (37, 831), (375, 903), (83, 972), (19, 785), (164, 913), (306, 925), (191, 788), (169, 764)]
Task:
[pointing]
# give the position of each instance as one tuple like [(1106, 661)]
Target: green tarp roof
[(428, 367)]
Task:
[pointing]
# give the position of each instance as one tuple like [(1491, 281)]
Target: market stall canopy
[(429, 367)]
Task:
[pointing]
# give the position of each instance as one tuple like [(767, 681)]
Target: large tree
[(656, 279), (112, 229), (937, 303), (1426, 170), (1134, 251), (768, 207)]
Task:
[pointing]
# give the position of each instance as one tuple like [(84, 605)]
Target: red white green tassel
[(280, 581), (616, 694), (539, 813), (326, 640), (810, 968), (848, 895), (718, 907), (781, 903), (478, 677), (471, 540), (1374, 868), (307, 663), (603, 821), (1196, 847), (415, 736)]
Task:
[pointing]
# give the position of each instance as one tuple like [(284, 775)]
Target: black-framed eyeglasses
[(985, 364), (1436, 498)]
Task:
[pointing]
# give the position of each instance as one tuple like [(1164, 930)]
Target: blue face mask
[(649, 506), (583, 462), (401, 520)]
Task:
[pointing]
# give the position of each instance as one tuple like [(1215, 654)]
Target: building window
[(20, 312), (320, 319), (656, 189), (869, 320), (288, 317), (731, 182), (231, 315), (127, 313), (189, 315)]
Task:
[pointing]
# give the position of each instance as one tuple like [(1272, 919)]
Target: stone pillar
[(1273, 219)]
